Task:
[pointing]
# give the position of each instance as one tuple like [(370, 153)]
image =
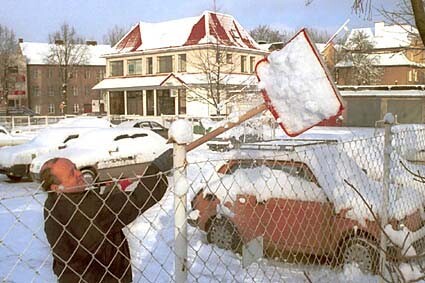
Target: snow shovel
[(296, 87)]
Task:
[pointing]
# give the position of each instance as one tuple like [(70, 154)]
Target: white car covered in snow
[(6, 138), (111, 153), (15, 160)]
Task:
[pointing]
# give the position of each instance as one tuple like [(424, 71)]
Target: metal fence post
[(180, 210), (389, 121)]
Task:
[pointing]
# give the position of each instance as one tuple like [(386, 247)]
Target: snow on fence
[(337, 207)]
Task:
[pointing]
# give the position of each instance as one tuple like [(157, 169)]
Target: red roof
[(210, 27)]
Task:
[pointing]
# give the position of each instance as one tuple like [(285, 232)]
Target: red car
[(300, 203)]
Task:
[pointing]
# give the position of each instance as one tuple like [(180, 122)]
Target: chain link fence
[(347, 206)]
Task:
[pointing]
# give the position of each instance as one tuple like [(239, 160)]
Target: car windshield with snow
[(305, 199), (111, 153), (15, 160), (144, 124)]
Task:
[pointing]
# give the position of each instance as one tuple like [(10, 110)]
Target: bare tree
[(8, 48), (67, 50), (357, 52), (217, 66), (267, 34), (406, 12), (114, 34)]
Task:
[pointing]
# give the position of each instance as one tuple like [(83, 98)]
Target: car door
[(122, 160), (299, 220)]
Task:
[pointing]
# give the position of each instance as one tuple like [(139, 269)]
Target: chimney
[(20, 40), (379, 28), (58, 41), (91, 42)]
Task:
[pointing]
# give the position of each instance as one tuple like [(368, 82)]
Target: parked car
[(149, 125), (8, 139), (84, 121), (298, 199), (15, 160), (106, 154)]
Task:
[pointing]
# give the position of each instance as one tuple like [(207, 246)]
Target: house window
[(76, 108), (75, 91), (37, 109), (149, 65), (87, 74), (182, 63), (243, 64), (252, 64), (99, 75), (165, 64), (35, 91), (116, 68), (50, 73), (182, 101), (34, 73), (87, 90), (150, 102), (51, 109), (51, 91), (165, 102), (229, 58), (134, 67), (413, 76)]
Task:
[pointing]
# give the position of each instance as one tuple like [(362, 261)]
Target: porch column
[(145, 104), (155, 102), (108, 103), (125, 102), (176, 101)]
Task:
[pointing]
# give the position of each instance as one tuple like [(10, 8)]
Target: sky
[(33, 20)]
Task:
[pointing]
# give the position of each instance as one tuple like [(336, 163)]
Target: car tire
[(361, 251), (14, 178), (89, 176), (223, 233)]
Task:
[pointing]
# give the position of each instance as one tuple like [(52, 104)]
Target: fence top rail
[(285, 145)]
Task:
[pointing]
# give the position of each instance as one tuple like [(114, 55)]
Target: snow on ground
[(25, 253)]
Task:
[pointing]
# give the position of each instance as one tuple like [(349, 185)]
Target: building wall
[(194, 58), (45, 88), (391, 75), (365, 111)]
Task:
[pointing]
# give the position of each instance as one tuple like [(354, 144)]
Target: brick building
[(43, 92), (400, 58)]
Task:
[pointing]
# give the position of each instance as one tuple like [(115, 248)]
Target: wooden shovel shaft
[(251, 113)]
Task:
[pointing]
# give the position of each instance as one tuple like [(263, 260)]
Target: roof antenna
[(214, 7)]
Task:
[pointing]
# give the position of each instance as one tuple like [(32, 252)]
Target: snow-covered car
[(106, 154), (308, 199), (144, 124), (7, 139), (15, 160), (84, 121)]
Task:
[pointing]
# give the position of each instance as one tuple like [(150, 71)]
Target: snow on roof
[(210, 27), (36, 53), (387, 36), (385, 59), (188, 79)]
